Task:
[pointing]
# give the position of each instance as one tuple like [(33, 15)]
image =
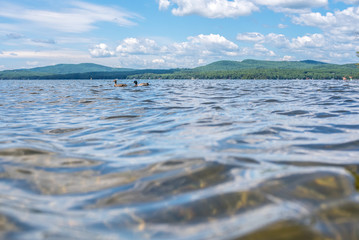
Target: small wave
[(324, 129), (186, 215), (22, 152), (244, 160), (143, 152), (325, 115), (94, 91), (209, 103), (60, 183), (168, 165), (292, 113), (223, 124), (347, 146), (335, 98), (343, 112), (114, 98), (119, 117), (178, 107), (272, 101), (217, 108), (346, 126), (148, 101), (350, 101), (44, 158), (157, 131), (264, 132), (64, 130), (174, 177), (85, 101)]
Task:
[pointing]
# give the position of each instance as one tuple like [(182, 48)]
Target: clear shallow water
[(179, 160)]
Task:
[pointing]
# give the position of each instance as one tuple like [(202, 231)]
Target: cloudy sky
[(175, 33)]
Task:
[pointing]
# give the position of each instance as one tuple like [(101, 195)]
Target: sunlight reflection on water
[(217, 159)]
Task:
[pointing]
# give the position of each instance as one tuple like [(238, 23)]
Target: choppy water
[(179, 160)]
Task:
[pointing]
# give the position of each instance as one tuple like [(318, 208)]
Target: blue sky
[(175, 33)]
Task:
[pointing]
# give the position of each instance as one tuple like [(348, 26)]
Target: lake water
[(186, 159)]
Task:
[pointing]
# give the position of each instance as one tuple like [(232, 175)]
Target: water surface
[(187, 159)]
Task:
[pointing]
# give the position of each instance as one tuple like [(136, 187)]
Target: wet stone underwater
[(179, 159)]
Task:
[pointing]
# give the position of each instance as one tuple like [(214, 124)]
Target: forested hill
[(246, 69), (257, 69), (258, 64), (59, 69), (75, 68)]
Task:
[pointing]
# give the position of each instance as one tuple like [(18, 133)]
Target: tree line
[(324, 71), (256, 74)]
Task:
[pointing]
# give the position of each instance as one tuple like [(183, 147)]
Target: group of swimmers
[(125, 85)]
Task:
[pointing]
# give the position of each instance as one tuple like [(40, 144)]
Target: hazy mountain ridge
[(70, 68), (76, 68)]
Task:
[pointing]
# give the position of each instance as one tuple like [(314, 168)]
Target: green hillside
[(258, 64), (75, 68), (246, 69), (58, 69), (255, 69)]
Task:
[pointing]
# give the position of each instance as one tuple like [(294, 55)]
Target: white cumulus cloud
[(292, 5), (341, 26), (277, 40), (213, 41), (210, 8), (206, 45), (301, 42), (347, 19), (309, 41), (282, 26), (257, 50), (164, 4), (250, 37), (148, 53), (236, 8), (315, 19), (101, 50), (287, 58), (350, 1), (139, 46), (317, 46), (159, 61)]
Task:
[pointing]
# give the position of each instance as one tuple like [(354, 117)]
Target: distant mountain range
[(246, 69), (252, 64), (75, 68)]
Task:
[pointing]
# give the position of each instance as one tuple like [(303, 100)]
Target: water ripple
[(188, 159), (346, 146)]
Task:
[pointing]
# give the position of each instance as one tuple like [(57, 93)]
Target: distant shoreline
[(246, 69)]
